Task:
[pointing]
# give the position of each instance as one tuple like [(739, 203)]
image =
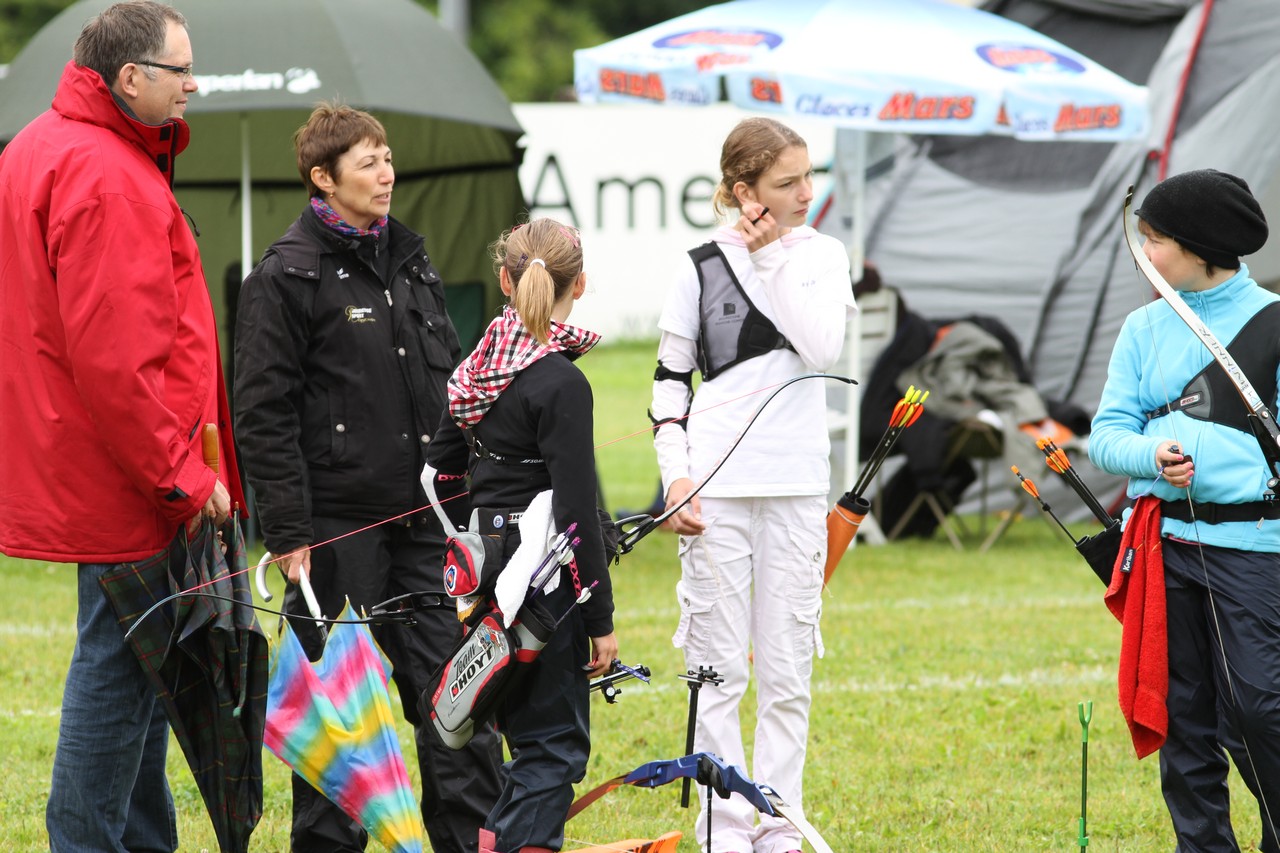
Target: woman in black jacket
[(520, 421), (343, 349)]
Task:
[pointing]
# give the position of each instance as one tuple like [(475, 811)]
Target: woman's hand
[(1174, 467), (604, 651), (758, 227), (688, 521), (294, 562)]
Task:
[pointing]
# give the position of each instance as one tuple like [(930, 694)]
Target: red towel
[(1136, 598)]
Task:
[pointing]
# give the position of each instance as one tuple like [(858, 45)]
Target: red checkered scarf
[(506, 349)]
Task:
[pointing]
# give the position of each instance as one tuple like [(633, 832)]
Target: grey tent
[(1031, 233), (261, 66)]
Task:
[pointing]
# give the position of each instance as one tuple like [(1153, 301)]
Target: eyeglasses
[(183, 71)]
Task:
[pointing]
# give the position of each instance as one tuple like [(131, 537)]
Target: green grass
[(944, 714)]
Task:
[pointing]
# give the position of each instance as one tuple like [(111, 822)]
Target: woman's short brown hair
[(331, 131)]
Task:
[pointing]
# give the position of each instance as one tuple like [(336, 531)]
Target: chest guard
[(1211, 396), (731, 328)]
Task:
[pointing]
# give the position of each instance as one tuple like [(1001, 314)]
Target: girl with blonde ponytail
[(545, 259), (520, 424)]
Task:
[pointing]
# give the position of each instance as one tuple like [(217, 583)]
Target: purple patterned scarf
[(330, 217)]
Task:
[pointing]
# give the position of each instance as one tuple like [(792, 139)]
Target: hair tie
[(539, 261)]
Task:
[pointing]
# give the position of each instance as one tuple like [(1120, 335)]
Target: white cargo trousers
[(752, 582)]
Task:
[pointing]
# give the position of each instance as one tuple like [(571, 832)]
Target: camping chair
[(969, 439)]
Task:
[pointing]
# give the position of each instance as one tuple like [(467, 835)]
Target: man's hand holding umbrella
[(218, 508)]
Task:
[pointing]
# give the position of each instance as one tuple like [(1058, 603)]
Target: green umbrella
[(206, 658), (261, 66)]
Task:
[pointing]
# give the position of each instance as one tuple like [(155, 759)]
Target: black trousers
[(1212, 716), (546, 720), (458, 787)]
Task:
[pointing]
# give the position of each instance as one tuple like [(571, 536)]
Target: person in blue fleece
[(1171, 421)]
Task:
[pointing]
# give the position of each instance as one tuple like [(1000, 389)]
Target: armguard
[(665, 374), (659, 423)]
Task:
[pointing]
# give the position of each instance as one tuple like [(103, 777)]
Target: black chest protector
[(1212, 396), (731, 328)]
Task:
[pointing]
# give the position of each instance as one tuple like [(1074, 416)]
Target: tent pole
[(246, 264), (246, 200), (850, 177)]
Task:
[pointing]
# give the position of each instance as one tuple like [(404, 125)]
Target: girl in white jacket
[(766, 300)]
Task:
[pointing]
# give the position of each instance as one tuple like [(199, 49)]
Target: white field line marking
[(918, 684), (10, 714), (833, 604), (970, 681), (45, 631)]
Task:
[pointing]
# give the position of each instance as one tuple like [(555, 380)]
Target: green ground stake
[(1086, 714)]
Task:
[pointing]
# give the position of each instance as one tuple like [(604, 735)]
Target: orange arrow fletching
[(1028, 486)]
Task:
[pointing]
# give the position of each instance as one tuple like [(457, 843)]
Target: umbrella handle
[(260, 576), (209, 445), (308, 594)]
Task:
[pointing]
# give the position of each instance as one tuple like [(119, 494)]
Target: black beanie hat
[(1211, 213)]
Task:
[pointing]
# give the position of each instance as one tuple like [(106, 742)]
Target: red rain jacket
[(109, 362)]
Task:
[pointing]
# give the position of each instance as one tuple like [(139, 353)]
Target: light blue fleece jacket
[(1154, 358)]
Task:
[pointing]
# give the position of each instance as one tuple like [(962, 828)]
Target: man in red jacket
[(109, 367)]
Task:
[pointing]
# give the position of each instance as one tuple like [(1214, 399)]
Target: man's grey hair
[(123, 33)]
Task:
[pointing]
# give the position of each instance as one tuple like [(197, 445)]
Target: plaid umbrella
[(331, 722), (207, 660)]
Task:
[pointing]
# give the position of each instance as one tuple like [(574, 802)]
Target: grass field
[(945, 709)]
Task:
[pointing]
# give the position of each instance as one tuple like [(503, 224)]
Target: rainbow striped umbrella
[(331, 722)]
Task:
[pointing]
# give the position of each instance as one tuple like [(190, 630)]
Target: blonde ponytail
[(533, 298), (543, 260)]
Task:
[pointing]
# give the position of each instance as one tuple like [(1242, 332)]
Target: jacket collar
[(84, 96), (309, 238), (1227, 291)]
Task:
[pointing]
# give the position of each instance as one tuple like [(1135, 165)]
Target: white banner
[(637, 182)]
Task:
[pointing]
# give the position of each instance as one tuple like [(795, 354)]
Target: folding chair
[(969, 439)]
